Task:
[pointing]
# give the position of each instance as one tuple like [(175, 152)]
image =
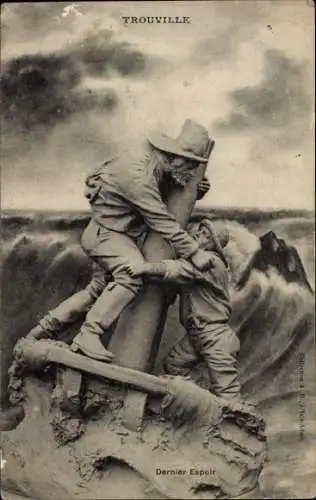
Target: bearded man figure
[(127, 198)]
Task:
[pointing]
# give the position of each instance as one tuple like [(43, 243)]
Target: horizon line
[(202, 208)]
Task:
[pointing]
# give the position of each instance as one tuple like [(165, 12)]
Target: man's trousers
[(111, 288)]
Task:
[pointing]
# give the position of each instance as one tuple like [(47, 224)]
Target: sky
[(76, 80)]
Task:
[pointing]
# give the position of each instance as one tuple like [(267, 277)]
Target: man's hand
[(202, 260), (203, 187), (138, 269)]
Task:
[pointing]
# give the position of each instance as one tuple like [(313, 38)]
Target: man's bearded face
[(182, 169), (178, 168)]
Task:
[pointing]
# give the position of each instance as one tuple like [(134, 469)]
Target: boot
[(70, 310), (38, 332), (99, 319), (91, 345), (67, 312)]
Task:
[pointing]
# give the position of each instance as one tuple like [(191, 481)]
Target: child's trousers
[(217, 345)]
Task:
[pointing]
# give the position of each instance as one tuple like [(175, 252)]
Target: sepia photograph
[(158, 248)]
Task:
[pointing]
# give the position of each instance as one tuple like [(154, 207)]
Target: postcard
[(157, 206)]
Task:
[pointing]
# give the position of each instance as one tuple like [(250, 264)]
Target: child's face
[(203, 236), (201, 233)]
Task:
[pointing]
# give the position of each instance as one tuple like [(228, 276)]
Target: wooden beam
[(37, 353)]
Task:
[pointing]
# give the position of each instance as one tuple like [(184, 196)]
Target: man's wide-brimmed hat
[(192, 143)]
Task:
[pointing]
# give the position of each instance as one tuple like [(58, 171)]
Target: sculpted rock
[(196, 446)]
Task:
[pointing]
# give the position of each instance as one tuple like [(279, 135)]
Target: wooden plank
[(38, 353)]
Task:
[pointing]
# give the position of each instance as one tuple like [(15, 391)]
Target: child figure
[(205, 309)]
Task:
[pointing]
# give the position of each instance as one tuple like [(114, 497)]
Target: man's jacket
[(124, 196)]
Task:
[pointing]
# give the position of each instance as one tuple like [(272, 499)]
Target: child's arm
[(179, 271)]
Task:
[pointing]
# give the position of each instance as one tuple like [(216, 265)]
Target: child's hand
[(136, 269)]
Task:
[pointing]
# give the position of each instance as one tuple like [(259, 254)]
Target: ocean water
[(42, 263)]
